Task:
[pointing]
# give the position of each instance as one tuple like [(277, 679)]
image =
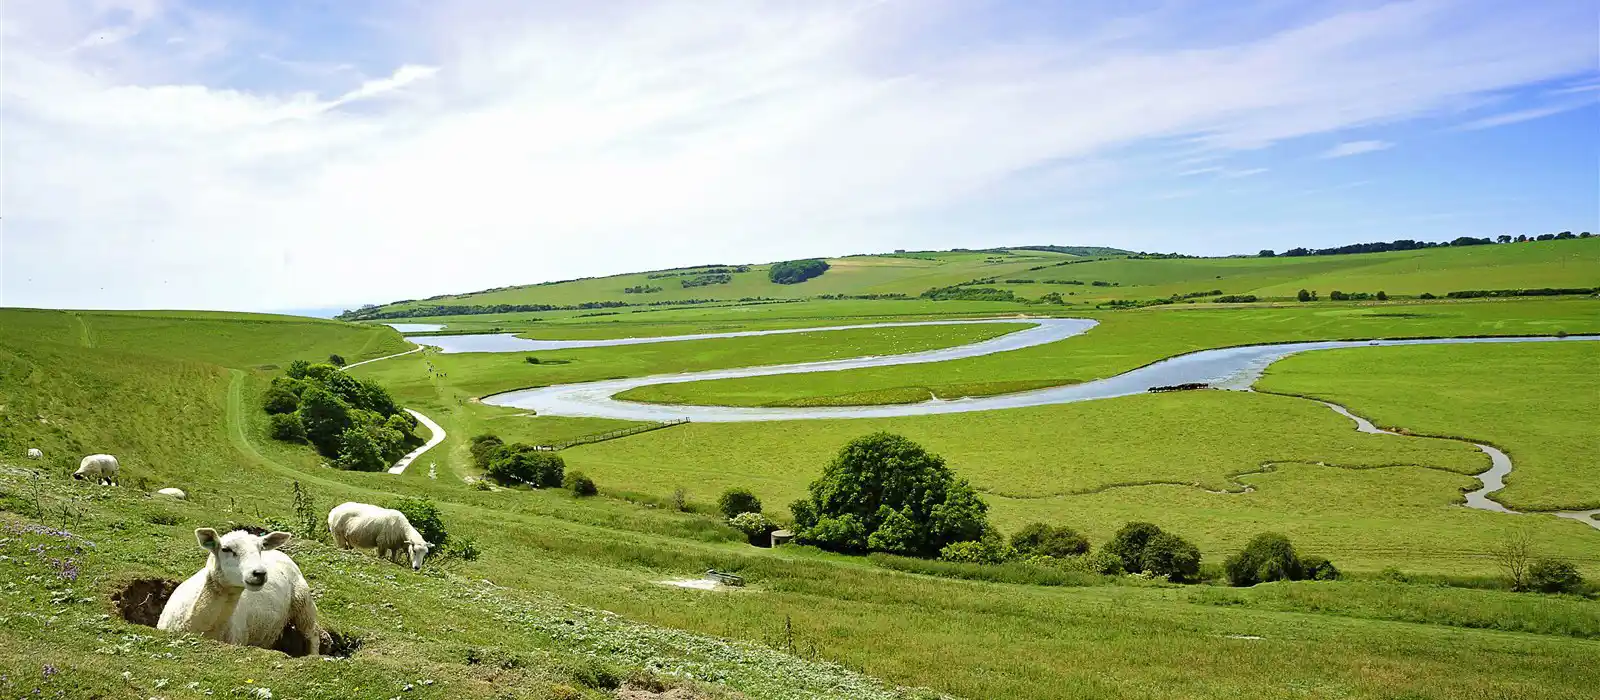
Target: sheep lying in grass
[(247, 593), (35, 453), (388, 531), (102, 469), (175, 493)]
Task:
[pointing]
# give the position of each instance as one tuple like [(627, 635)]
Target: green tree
[(278, 399), (286, 427), (359, 451), (524, 464), (1268, 556), (1304, 295), (1171, 556), (325, 417), (1551, 575), (738, 500), (483, 448), (579, 484), (880, 478), (336, 360), (1129, 542)]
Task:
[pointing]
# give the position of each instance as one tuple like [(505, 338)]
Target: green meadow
[(1535, 402), (567, 599)]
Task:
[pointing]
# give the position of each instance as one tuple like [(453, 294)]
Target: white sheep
[(100, 468), (175, 493), (388, 531), (247, 594), (35, 453)]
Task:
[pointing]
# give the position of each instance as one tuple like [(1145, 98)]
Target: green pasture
[(526, 620), (1125, 340), (1536, 402)]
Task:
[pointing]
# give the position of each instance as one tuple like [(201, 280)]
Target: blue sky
[(271, 155)]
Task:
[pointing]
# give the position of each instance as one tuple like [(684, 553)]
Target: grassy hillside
[(1030, 274), (566, 601)]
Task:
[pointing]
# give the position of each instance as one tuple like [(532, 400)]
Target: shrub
[(1551, 575), (796, 271), (460, 547), (1235, 299), (1039, 539), (483, 448), (481, 485), (1171, 556), (1267, 557), (1129, 543), (1101, 562), (579, 484), (524, 464), (1339, 296), (1315, 568), (530, 360), (279, 400), (286, 427), (804, 515), (424, 516), (1427, 295), (336, 360), (990, 549), (883, 479), (755, 526), (738, 500), (1383, 296), (1303, 295)]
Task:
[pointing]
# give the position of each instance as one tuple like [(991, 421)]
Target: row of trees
[(354, 422), (1311, 295), (1408, 244)]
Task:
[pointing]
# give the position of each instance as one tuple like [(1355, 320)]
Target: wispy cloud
[(1355, 148), (538, 142), (1519, 116)]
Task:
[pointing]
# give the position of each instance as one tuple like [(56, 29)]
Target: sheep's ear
[(207, 538), (274, 540)]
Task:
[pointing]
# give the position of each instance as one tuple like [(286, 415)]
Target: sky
[(280, 154)]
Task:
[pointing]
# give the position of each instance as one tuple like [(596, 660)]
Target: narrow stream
[(1493, 478)]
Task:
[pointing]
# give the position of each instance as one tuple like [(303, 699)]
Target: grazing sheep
[(101, 468), (34, 453), (247, 594), (388, 531), (175, 493)]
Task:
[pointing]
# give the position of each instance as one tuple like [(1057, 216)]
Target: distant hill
[(1071, 275)]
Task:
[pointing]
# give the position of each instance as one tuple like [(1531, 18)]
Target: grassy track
[(1536, 403), (1129, 339)]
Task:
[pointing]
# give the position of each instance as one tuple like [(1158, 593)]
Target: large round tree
[(885, 493)]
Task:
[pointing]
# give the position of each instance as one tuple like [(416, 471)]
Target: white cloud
[(1356, 148), (510, 145)]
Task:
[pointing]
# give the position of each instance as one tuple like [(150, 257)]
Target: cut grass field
[(1125, 340), (1536, 403), (555, 561)]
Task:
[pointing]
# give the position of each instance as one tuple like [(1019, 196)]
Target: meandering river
[(1224, 368)]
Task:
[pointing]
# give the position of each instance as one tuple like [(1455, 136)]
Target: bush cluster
[(424, 516), (754, 525), (1144, 547), (1039, 539), (1270, 556), (517, 463), (579, 484), (354, 422), (884, 493)]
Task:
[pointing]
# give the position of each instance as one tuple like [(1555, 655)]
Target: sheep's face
[(236, 560), (418, 551)]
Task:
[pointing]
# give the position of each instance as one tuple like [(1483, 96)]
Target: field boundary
[(611, 435)]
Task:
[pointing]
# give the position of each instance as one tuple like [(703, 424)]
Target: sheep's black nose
[(258, 575)]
